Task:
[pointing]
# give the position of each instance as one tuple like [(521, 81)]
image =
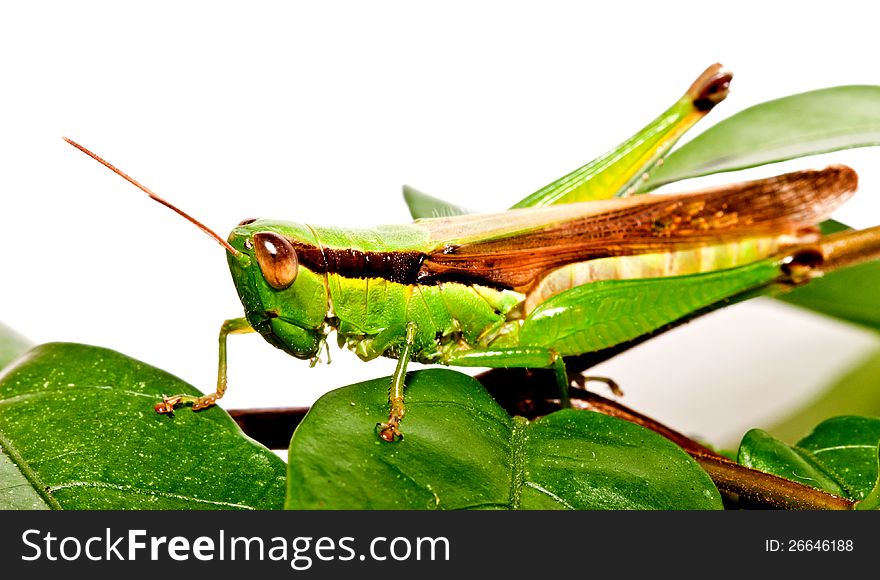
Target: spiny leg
[(390, 431), (232, 326), (531, 357)]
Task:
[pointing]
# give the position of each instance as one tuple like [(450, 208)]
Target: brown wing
[(517, 252)]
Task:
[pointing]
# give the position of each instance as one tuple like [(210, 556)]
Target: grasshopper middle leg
[(168, 404), (390, 431)]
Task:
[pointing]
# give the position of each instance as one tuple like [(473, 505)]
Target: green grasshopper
[(527, 287)]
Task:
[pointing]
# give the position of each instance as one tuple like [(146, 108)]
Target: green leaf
[(422, 205), (760, 450), (841, 456), (849, 449), (794, 126), (12, 345), (462, 451), (77, 423), (832, 227)]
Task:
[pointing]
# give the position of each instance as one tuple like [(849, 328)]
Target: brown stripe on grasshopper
[(395, 266)]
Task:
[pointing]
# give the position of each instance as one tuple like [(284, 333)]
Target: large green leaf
[(795, 126), (462, 451), (77, 423), (841, 456)]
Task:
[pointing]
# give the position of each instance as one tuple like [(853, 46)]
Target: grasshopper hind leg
[(390, 431), (534, 357), (168, 404)]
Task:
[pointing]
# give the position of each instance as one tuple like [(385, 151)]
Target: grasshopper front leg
[(390, 431), (167, 405)]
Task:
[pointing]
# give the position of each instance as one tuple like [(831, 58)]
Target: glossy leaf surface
[(462, 451), (77, 423), (841, 456)]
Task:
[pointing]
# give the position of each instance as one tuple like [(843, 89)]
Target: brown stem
[(593, 402), (750, 486), (762, 489), (850, 248)]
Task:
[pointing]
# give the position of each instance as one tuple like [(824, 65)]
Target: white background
[(318, 112)]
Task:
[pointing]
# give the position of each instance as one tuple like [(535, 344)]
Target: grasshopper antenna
[(155, 197)]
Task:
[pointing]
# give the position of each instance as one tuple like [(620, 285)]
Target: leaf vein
[(32, 476), (137, 490), (840, 447), (61, 391), (549, 494)]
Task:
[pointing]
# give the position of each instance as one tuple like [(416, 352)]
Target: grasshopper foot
[(168, 404), (580, 381), (390, 431)]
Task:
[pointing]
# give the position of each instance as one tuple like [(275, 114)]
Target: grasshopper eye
[(277, 259)]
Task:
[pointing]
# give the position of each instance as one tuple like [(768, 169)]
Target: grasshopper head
[(283, 292), (284, 300)]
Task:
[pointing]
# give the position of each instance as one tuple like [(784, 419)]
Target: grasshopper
[(567, 271)]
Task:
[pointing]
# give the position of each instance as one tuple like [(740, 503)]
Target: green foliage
[(462, 451), (422, 205), (841, 456), (78, 431), (77, 426), (760, 450)]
